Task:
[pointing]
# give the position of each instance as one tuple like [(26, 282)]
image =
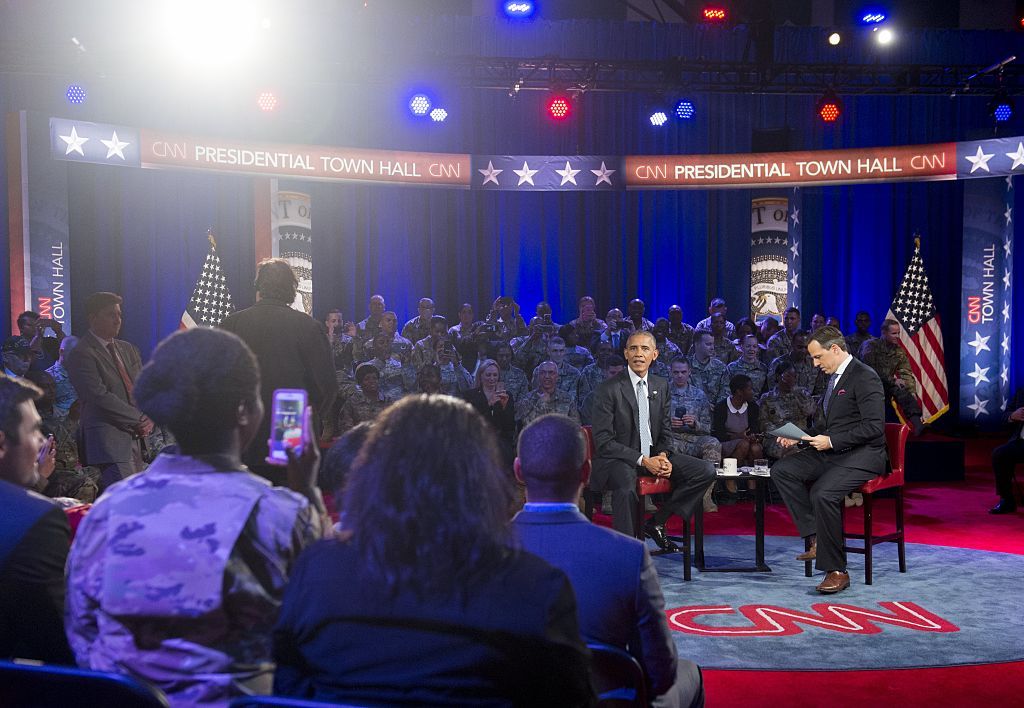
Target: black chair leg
[(807, 564), (687, 557), (868, 539), (899, 530)]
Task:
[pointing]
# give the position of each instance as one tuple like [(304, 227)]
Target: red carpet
[(944, 514)]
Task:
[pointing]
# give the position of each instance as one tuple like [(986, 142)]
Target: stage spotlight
[(834, 39), (419, 105), (685, 109), (829, 107), (559, 107), (199, 34), (267, 101), (438, 115), (75, 94), (518, 9), (873, 17), (715, 14), (1001, 107), (883, 36), (658, 118)]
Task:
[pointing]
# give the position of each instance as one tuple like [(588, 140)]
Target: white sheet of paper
[(788, 431)]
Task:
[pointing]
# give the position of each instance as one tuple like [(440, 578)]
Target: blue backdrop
[(143, 233)]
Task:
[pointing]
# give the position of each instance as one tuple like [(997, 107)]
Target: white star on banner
[(979, 375), (1009, 182), (1005, 375), (74, 142), (980, 343), (1002, 406), (979, 160), (568, 174), (490, 174), (1005, 346), (1017, 157), (1008, 214), (793, 280), (1006, 279), (795, 216), (603, 175), (979, 406), (795, 249), (1006, 312), (1006, 247), (526, 175), (114, 146)]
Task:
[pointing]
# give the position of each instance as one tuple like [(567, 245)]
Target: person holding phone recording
[(493, 401)]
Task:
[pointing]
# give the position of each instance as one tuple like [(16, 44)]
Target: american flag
[(211, 300), (921, 336)]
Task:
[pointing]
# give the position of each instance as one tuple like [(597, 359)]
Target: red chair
[(644, 485), (896, 435)]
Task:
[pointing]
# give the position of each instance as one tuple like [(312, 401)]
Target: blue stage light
[(873, 17), (685, 109), (1003, 112), (518, 9), (438, 115), (420, 104), (658, 118), (75, 94)]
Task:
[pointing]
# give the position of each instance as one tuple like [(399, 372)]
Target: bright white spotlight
[(834, 39), (199, 34), (884, 36)]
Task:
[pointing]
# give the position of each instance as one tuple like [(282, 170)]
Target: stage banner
[(986, 301), (40, 254), (291, 225), (771, 290), (547, 173)]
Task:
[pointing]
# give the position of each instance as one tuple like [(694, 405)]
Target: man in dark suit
[(846, 452), (34, 537), (103, 369), (291, 349), (633, 436), (1006, 457), (617, 591)]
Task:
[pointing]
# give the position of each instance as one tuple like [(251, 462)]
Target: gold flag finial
[(210, 238), (917, 241)]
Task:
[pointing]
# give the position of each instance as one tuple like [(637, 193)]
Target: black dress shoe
[(1005, 506), (657, 533)]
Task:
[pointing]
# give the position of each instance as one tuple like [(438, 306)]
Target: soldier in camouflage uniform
[(512, 376), (725, 349), (568, 375), (531, 349), (785, 403), (591, 376), (368, 328), (781, 343), (177, 574), (679, 333), (750, 365), (547, 398), (366, 403), (635, 314), (707, 372), (589, 327), (396, 379), (808, 376), (613, 366), (855, 341), (342, 353), (693, 427), (577, 356), (454, 377), (890, 362), (401, 348), (419, 327), (716, 306), (426, 348)]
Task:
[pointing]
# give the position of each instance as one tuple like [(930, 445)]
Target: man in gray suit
[(103, 369), (632, 433), (617, 591)]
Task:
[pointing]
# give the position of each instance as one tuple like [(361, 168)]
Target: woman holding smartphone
[(494, 402)]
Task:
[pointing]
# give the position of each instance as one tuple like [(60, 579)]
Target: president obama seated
[(633, 436)]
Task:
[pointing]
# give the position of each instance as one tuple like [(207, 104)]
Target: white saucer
[(723, 473)]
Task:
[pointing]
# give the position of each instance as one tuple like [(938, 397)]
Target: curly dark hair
[(194, 383), (427, 500), (276, 280)]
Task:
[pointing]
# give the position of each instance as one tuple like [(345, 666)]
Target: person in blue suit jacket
[(617, 591)]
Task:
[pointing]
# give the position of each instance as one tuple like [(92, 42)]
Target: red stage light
[(713, 13), (559, 107), (267, 101), (829, 107)]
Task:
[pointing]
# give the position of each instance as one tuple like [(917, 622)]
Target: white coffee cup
[(729, 466)]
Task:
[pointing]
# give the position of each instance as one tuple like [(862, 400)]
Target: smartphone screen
[(289, 406), (680, 411)]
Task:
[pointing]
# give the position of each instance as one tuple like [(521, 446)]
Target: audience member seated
[(401, 348), (575, 355), (428, 379), (620, 600), (339, 336), (368, 328), (593, 374), (420, 326), (464, 336), (1006, 457), (781, 342), (725, 350), (366, 403), (807, 375), (512, 376), (66, 394), (679, 333), (492, 400), (785, 403), (532, 348), (34, 537), (706, 371), (69, 479), (18, 357), (177, 574), (338, 463), (423, 599), (691, 422), (614, 364), (735, 421), (546, 398), (425, 350), (32, 330), (635, 314), (749, 364), (589, 327), (817, 321), (505, 318), (855, 341), (717, 306), (568, 375)]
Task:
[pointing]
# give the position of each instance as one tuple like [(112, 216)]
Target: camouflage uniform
[(682, 337), (667, 351), (177, 574), (580, 357), (568, 378), (424, 352), (757, 372), (590, 378), (778, 408), (69, 478), (780, 344), (455, 379), (890, 362), (396, 379), (531, 407), (527, 354), (416, 329), (696, 440), (358, 409), (515, 382), (855, 342), (725, 350), (66, 393), (401, 349), (705, 326), (708, 377), (588, 334), (807, 376)]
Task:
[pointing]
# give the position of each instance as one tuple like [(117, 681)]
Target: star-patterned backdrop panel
[(987, 301)]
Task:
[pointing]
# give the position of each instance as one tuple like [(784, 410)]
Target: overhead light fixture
[(685, 109), (884, 35), (75, 94), (559, 106), (266, 101), (834, 39), (829, 107), (658, 118), (420, 104), (1001, 107)]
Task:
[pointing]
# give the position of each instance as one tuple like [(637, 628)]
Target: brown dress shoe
[(834, 582), (809, 555)]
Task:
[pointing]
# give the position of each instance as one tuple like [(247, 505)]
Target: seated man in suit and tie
[(847, 451), (633, 436), (617, 591)]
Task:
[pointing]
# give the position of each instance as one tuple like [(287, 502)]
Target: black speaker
[(771, 140)]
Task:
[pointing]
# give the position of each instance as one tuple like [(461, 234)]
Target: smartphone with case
[(286, 423), (680, 411)]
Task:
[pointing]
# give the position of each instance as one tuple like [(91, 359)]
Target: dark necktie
[(828, 391), (121, 370)]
